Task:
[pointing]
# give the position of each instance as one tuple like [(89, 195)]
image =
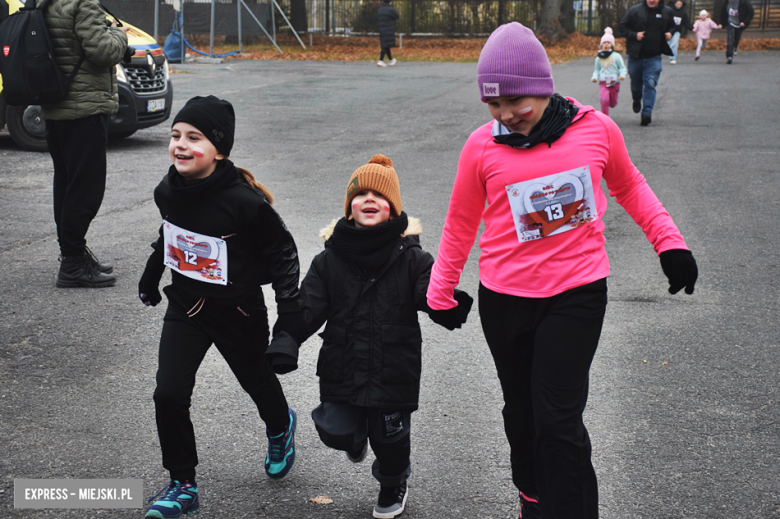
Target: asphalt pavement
[(684, 408)]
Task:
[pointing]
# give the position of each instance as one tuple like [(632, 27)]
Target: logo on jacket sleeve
[(490, 90), (6, 50)]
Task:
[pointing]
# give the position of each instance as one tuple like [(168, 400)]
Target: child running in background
[(609, 71), (703, 28), (368, 284), (222, 240)]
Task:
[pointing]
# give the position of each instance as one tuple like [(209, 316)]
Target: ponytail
[(252, 181)]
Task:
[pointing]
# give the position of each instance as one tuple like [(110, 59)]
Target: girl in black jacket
[(368, 284), (222, 240)]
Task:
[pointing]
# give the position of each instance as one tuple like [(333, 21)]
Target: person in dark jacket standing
[(77, 131), (735, 16), (682, 24), (648, 29), (222, 240), (368, 285), (387, 17)]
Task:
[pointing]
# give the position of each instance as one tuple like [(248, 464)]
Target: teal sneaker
[(178, 499), (281, 450)]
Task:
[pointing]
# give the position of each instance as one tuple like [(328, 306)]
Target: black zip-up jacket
[(371, 354), (745, 13), (387, 17), (635, 20), (260, 248), (685, 24)]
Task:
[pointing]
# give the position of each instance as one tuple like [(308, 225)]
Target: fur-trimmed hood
[(413, 229)]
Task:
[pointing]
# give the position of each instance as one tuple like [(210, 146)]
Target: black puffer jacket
[(260, 248), (682, 23), (635, 20), (371, 353), (387, 17)]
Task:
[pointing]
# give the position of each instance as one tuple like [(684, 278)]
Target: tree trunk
[(298, 17), (567, 17), (549, 26)]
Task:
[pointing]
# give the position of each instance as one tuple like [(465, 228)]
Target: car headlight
[(120, 74), (167, 69)]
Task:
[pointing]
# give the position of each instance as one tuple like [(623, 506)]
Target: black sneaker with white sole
[(391, 502)]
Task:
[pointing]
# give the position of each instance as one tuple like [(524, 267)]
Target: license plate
[(155, 104)]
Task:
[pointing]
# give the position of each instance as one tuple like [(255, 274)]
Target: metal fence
[(445, 17)]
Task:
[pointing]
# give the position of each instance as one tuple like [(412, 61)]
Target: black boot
[(79, 271), (105, 268)]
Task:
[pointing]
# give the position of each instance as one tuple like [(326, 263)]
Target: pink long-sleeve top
[(703, 28), (544, 232)]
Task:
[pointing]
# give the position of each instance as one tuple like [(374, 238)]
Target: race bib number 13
[(197, 256), (553, 204)]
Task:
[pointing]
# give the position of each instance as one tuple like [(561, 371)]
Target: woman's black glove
[(680, 267), (455, 316), (293, 324)]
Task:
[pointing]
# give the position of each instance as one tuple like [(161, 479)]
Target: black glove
[(282, 353), (455, 316), (293, 324), (148, 288), (680, 267)]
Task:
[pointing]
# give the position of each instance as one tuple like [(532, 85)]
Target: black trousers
[(78, 149), (240, 333), (734, 34), (347, 427), (385, 52), (543, 349)]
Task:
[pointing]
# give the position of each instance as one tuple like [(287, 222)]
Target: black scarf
[(556, 118), (604, 54), (367, 247), (224, 175)]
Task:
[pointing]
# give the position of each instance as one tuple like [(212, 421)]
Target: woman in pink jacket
[(543, 266)]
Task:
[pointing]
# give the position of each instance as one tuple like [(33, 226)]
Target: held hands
[(680, 267), (282, 353), (456, 316)]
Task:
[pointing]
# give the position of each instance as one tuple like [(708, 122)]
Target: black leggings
[(385, 51), (240, 333), (543, 349)]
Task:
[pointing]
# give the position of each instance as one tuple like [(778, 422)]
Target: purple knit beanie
[(514, 63)]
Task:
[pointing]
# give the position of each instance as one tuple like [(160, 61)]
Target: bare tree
[(556, 19)]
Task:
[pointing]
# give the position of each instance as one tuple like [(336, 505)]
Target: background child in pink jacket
[(703, 28)]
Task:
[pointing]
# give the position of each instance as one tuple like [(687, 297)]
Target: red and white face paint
[(519, 114), (193, 155), (369, 208)]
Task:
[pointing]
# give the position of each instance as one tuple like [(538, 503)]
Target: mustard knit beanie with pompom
[(378, 175)]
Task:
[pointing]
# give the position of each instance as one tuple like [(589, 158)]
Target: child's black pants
[(347, 427), (543, 349), (242, 341)]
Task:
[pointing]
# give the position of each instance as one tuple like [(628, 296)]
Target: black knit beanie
[(214, 117)]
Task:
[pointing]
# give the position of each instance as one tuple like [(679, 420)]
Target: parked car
[(145, 94)]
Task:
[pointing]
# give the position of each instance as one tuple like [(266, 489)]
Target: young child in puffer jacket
[(368, 284), (609, 70), (703, 29)]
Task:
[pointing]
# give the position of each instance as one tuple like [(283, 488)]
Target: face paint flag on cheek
[(528, 110), (198, 152)]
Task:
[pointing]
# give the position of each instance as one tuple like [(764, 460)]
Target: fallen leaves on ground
[(430, 49), (321, 500)]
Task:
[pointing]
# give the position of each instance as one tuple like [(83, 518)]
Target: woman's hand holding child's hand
[(456, 316)]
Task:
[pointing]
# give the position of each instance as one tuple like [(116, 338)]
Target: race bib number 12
[(197, 256), (553, 204)]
